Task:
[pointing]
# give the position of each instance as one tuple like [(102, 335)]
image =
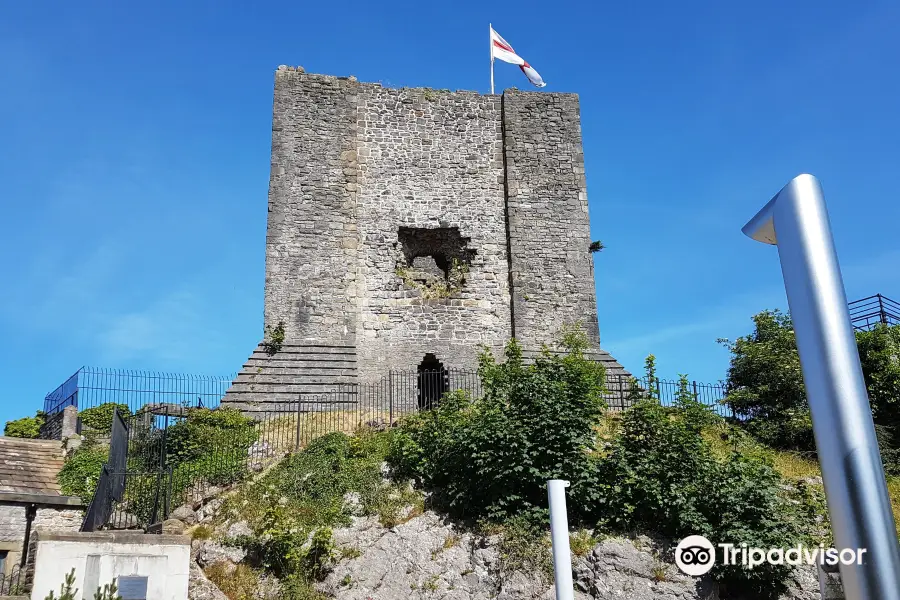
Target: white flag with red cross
[(501, 50)]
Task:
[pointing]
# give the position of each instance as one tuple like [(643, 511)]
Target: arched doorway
[(433, 382)]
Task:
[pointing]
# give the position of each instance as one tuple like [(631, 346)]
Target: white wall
[(98, 558)]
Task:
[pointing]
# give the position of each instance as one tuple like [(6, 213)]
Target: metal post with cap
[(559, 535), (796, 221)]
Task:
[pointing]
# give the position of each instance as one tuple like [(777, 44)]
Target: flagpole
[(491, 41)]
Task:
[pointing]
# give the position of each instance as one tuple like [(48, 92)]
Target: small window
[(3, 555), (132, 588)]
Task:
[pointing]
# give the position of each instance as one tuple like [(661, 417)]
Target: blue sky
[(135, 138)]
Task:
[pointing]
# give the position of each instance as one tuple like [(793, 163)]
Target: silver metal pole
[(796, 220), (559, 535)]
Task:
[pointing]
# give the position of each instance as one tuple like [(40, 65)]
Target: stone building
[(407, 227), (30, 497)]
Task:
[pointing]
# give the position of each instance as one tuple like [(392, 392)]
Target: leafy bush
[(100, 418), (661, 475), (651, 470), (765, 382), (81, 471), (765, 385), (237, 582), (491, 457), (207, 432), (879, 353), (26, 427), (295, 505)]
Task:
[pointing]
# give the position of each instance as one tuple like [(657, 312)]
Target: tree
[(26, 427), (765, 382), (879, 353)]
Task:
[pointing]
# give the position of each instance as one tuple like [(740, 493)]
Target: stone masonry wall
[(12, 526), (12, 523), (549, 229), (427, 160), (501, 177), (311, 237)]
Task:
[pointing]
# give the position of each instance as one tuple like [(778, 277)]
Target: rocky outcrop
[(427, 558), (431, 558)]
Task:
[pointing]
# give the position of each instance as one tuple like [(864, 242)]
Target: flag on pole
[(501, 50)]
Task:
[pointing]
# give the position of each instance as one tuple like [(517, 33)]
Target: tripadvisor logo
[(695, 555)]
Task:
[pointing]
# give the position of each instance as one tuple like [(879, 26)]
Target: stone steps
[(277, 386), (297, 375), (300, 370), (266, 381), (613, 368)]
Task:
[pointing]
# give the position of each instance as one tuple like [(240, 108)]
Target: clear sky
[(135, 140)]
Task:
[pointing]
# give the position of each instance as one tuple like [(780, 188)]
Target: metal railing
[(14, 583), (91, 386), (164, 468), (869, 312)]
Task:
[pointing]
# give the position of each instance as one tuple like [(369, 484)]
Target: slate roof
[(29, 466)]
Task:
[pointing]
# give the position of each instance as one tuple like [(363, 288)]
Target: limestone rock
[(239, 529), (427, 558), (353, 504), (185, 514), (173, 527), (211, 552), (201, 588), (208, 511)]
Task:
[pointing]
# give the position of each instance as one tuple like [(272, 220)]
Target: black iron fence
[(623, 391), (868, 312), (13, 584), (90, 387), (181, 455)]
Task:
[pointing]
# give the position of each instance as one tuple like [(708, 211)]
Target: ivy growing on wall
[(274, 339), (435, 288)]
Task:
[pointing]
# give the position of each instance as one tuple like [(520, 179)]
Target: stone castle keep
[(406, 227)]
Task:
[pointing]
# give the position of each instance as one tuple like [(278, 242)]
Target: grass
[(238, 582), (451, 540), (398, 507), (351, 552), (201, 532), (725, 438), (430, 584), (582, 542), (281, 433), (306, 494)]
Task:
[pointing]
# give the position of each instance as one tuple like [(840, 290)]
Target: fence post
[(391, 397), (696, 395), (162, 452), (168, 498), (297, 444)]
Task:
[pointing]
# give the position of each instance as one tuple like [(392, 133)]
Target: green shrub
[(99, 418), (492, 457), (765, 385), (295, 505), (81, 471), (207, 432), (26, 427), (661, 475), (879, 353), (765, 382)]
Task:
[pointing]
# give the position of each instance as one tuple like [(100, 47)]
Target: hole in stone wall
[(434, 261), (433, 382)]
